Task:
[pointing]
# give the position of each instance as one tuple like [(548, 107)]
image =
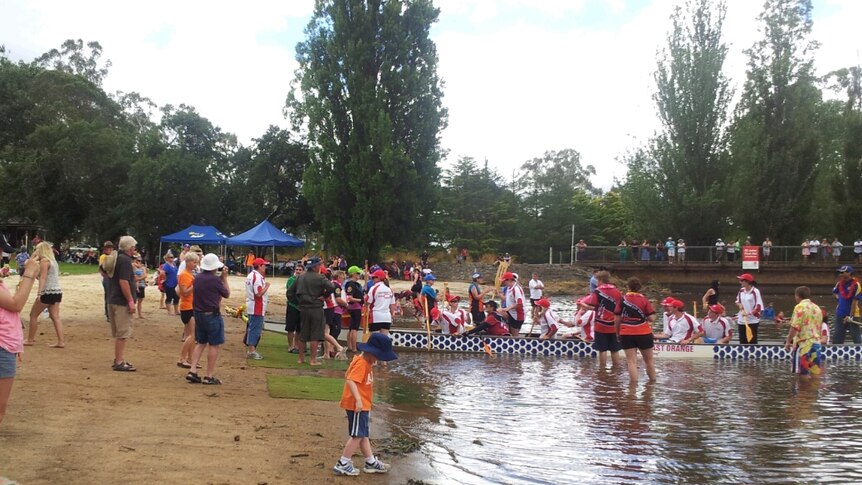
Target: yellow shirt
[(807, 320)]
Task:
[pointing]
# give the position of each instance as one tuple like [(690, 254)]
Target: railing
[(779, 255)]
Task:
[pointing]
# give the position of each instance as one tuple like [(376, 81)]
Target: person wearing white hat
[(208, 291)]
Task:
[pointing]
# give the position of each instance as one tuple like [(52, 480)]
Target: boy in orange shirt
[(356, 400)]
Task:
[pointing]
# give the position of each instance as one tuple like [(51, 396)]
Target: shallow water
[(511, 419)]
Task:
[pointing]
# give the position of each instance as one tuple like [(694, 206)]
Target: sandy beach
[(71, 419)]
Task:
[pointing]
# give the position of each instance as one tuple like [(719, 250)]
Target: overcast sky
[(522, 76)]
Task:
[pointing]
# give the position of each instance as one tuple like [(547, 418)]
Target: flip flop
[(57, 346), (184, 365)]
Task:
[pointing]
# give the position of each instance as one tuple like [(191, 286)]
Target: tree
[(774, 150), (685, 165), (73, 58), (368, 93)]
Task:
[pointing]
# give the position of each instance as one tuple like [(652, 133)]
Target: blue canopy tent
[(265, 234), (194, 235)]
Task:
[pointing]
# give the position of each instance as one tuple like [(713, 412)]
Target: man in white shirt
[(514, 301), (813, 249), (536, 292), (719, 250), (682, 327), (857, 250), (381, 303), (256, 299), (717, 328)]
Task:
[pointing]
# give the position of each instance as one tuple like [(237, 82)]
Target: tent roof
[(264, 234), (196, 235)]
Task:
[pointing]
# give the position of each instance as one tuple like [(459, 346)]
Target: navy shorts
[(375, 326), (8, 361), (355, 319), (171, 297), (292, 320), (606, 341), (209, 328), (516, 324), (357, 424), (642, 342)]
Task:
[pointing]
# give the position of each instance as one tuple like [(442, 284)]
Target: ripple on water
[(518, 419)]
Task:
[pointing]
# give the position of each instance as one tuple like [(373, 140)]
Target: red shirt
[(608, 302), (497, 327), (636, 310)]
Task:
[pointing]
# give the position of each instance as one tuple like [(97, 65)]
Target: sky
[(521, 76)]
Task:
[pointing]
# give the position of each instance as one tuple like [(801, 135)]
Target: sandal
[(124, 367), (341, 355), (212, 381), (193, 378), (184, 365)]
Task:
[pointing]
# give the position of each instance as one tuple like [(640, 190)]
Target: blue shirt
[(170, 275), (429, 293), (594, 283), (21, 259), (850, 288)]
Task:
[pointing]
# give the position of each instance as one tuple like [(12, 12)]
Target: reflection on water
[(511, 419)]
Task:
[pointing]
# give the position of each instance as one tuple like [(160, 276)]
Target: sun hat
[(745, 277), (475, 276), (544, 302), (354, 269), (430, 277), (210, 262), (717, 308), (845, 269), (379, 274), (508, 275), (380, 346), (259, 262)]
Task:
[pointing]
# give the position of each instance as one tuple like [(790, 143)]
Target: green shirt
[(291, 302)]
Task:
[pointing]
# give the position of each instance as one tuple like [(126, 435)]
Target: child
[(454, 319), (493, 324), (549, 321), (356, 401)]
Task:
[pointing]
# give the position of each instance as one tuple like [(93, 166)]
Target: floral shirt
[(807, 319)]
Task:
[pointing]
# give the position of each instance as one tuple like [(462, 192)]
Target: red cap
[(379, 274), (745, 277), (435, 314), (668, 301), (452, 298), (544, 302), (678, 304), (259, 262), (717, 308), (508, 275)]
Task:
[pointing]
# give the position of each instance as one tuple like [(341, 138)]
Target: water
[(511, 419)]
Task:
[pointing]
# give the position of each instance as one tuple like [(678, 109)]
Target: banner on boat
[(750, 257)]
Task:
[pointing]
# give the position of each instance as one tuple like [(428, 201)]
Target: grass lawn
[(273, 347), (305, 387), (76, 269)]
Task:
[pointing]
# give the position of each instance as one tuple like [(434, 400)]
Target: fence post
[(550, 256)]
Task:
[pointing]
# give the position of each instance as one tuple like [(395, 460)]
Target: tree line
[(359, 170)]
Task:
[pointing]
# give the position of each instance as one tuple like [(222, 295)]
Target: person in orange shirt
[(356, 401), (185, 284), (249, 262)]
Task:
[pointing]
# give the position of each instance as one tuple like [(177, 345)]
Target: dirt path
[(73, 420)]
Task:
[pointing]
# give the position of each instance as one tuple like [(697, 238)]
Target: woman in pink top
[(11, 333)]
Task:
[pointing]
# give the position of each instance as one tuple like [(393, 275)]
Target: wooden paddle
[(427, 320), (748, 333)]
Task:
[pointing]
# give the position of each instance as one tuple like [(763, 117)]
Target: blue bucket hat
[(380, 346), (430, 277), (845, 269)]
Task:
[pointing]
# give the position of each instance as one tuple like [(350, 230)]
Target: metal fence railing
[(699, 254)]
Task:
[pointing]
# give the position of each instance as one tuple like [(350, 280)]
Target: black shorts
[(642, 342), (516, 324), (171, 297), (334, 322), (373, 327), (606, 341), (142, 291), (355, 319), (292, 320), (533, 302), (51, 298), (186, 316)]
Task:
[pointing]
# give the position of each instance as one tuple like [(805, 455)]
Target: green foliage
[(368, 93)]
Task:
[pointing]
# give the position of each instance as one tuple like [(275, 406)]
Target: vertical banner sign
[(750, 257)]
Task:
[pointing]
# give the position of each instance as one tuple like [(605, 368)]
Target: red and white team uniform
[(682, 327), (515, 295), (549, 322), (453, 322), (824, 332), (752, 305), (584, 323), (255, 305), (717, 328), (379, 299)]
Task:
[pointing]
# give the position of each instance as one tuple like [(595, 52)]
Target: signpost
[(750, 257)]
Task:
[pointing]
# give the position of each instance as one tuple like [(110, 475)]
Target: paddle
[(487, 348), (427, 320), (748, 333), (365, 308)]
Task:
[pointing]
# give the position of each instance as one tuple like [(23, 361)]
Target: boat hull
[(407, 340)]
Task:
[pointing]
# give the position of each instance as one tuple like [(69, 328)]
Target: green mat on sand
[(273, 348), (305, 387)]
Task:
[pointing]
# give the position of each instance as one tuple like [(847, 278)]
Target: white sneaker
[(377, 467), (345, 469), (254, 356)]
